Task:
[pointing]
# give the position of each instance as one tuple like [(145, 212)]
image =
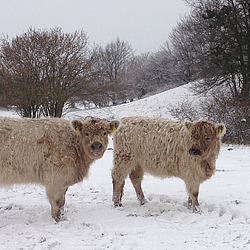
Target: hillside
[(153, 106)]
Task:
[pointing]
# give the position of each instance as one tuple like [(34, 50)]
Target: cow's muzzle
[(194, 152), (97, 148)]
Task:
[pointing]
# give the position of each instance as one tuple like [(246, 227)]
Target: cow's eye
[(207, 138), (86, 134), (105, 133)]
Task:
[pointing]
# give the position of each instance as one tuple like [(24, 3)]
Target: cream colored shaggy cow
[(53, 152), (165, 148)]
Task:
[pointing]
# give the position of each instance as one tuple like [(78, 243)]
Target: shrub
[(218, 107)]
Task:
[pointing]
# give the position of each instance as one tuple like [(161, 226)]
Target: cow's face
[(94, 135), (205, 137)]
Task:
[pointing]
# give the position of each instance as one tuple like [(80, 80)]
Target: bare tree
[(114, 59), (42, 70), (137, 81), (213, 44), (153, 72), (185, 46)]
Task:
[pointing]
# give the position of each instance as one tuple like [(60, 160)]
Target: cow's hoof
[(117, 204), (197, 210), (143, 202), (57, 218)]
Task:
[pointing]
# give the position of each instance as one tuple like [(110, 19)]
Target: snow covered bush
[(218, 106), (235, 113), (185, 110)]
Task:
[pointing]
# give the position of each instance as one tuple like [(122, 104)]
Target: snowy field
[(91, 222)]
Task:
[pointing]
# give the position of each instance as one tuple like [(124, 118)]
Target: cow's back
[(159, 145), (28, 147)]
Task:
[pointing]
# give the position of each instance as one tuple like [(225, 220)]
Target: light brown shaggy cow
[(165, 148), (53, 152)]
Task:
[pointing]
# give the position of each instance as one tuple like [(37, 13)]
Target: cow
[(164, 148), (53, 152)]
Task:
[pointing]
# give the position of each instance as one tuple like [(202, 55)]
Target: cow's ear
[(189, 125), (220, 129), (114, 124), (77, 125)]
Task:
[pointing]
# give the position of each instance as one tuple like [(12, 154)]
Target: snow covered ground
[(91, 222)]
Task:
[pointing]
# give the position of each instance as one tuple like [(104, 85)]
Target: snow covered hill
[(91, 222), (153, 106)]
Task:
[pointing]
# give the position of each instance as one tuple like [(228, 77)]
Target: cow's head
[(94, 135), (205, 136)]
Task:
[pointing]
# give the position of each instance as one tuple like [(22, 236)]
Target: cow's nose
[(96, 146), (194, 152)]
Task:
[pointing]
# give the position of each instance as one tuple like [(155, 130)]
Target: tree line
[(41, 71)]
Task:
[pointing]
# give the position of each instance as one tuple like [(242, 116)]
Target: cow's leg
[(193, 191), (119, 174), (136, 177), (56, 198), (118, 188)]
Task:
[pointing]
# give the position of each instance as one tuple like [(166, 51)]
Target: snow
[(91, 222), (153, 106)]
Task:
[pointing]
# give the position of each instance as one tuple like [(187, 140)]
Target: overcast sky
[(144, 24)]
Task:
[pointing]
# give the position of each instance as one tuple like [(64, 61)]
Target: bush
[(219, 107), (185, 110), (235, 114)]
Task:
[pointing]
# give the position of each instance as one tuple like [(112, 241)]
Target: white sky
[(144, 24)]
